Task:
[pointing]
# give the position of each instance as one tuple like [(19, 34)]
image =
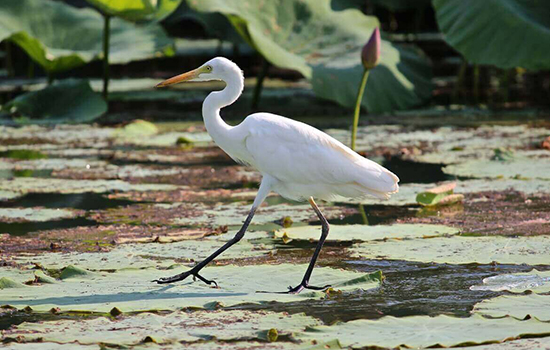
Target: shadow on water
[(409, 289), (416, 172), (23, 228), (83, 201)]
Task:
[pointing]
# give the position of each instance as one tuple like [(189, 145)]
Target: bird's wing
[(295, 152)]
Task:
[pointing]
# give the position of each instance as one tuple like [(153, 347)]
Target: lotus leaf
[(425, 331), (137, 10), (61, 37), (36, 214), (520, 168), (324, 46), (518, 306), (67, 101), (199, 326), (461, 250), (366, 233), (52, 164), (132, 290), (535, 281), (143, 255), (48, 346), (8, 195), (504, 33), (520, 344), (407, 192), (43, 185)]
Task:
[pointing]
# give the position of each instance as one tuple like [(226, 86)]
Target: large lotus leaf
[(520, 344), (407, 192), (137, 10), (132, 290), (460, 250), (47, 185), (535, 281), (207, 214), (8, 195), (519, 168), (325, 46), (60, 37), (144, 255), (505, 33), (36, 214), (66, 101), (518, 306), (366, 233), (199, 326), (425, 331)]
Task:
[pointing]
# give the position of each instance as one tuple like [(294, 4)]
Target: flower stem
[(358, 107), (106, 37)]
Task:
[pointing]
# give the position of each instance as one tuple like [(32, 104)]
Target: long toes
[(209, 282)]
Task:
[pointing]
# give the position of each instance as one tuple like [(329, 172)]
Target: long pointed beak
[(179, 78)]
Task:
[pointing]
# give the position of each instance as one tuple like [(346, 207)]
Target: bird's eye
[(209, 68)]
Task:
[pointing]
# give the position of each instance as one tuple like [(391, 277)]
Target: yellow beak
[(180, 78)]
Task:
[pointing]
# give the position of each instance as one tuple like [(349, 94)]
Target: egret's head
[(219, 68)]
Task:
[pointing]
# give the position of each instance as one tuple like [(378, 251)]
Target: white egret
[(296, 160)]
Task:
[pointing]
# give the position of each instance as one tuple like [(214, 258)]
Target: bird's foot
[(299, 288), (184, 275)]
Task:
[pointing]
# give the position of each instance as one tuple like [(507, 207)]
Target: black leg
[(324, 233), (195, 270)]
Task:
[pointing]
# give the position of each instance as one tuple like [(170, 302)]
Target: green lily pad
[(520, 344), (460, 250), (132, 290), (47, 346), (487, 32), (425, 331), (324, 45), (136, 255), (60, 37), (519, 168), (37, 214), (137, 10), (535, 281), (52, 164), (518, 306), (47, 185), (408, 192), (366, 233), (8, 195), (199, 326), (65, 101), (213, 215)]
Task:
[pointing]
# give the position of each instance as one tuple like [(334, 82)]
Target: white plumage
[(296, 160)]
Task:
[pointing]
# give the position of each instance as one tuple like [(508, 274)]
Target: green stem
[(363, 214), (476, 84), (460, 81), (259, 84), (106, 37), (50, 77), (358, 107), (9, 59)]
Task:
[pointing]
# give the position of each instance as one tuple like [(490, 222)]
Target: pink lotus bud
[(370, 55)]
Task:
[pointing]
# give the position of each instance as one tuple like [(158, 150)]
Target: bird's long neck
[(214, 123)]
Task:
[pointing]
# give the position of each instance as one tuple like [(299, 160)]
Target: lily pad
[(486, 32), (518, 306), (520, 344), (535, 281), (299, 39), (60, 37), (37, 214), (519, 168), (51, 164), (8, 195), (132, 290), (137, 10), (366, 233), (460, 250), (199, 326), (212, 215), (425, 331), (65, 101), (408, 192)]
